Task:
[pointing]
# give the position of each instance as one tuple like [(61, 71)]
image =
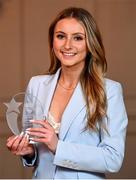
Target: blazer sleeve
[(30, 162), (108, 155)]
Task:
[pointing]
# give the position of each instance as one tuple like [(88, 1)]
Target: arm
[(108, 155)]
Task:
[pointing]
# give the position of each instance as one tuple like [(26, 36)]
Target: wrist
[(30, 153)]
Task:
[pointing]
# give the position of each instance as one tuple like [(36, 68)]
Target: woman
[(84, 133)]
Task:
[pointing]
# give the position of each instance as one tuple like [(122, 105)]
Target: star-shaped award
[(12, 115), (13, 106)]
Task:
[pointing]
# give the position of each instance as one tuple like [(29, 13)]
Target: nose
[(68, 43)]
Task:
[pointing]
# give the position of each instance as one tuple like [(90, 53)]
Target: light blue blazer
[(80, 154)]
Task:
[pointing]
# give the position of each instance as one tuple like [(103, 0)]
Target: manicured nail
[(21, 134), (27, 132), (26, 136), (31, 138), (31, 120), (28, 129), (31, 141), (15, 137)]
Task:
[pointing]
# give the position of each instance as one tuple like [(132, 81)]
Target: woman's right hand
[(19, 145)]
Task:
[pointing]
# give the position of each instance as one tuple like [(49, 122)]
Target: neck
[(69, 77)]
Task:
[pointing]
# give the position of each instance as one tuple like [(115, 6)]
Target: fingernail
[(31, 120), (31, 138), (27, 136), (21, 134), (15, 137), (32, 142), (28, 129), (27, 132), (44, 118)]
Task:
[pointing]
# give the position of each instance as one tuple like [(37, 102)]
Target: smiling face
[(69, 43)]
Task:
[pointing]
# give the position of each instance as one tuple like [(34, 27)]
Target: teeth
[(68, 54)]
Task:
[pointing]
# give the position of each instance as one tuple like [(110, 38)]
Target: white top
[(53, 123)]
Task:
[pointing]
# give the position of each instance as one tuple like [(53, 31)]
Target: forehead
[(69, 25)]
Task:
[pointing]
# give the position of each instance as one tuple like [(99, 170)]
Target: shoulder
[(40, 78), (35, 81), (111, 83), (112, 87)]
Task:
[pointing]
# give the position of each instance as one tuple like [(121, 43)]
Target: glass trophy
[(21, 109)]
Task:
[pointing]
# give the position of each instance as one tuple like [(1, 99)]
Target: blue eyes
[(76, 38)]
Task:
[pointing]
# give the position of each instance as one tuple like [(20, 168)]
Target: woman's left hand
[(44, 134)]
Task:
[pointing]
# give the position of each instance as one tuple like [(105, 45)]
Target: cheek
[(57, 44), (82, 49), (56, 48)]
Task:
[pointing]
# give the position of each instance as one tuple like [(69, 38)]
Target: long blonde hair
[(92, 76)]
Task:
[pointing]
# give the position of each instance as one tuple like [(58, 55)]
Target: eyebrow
[(77, 33)]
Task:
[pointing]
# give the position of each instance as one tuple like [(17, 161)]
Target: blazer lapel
[(46, 91), (74, 107)]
